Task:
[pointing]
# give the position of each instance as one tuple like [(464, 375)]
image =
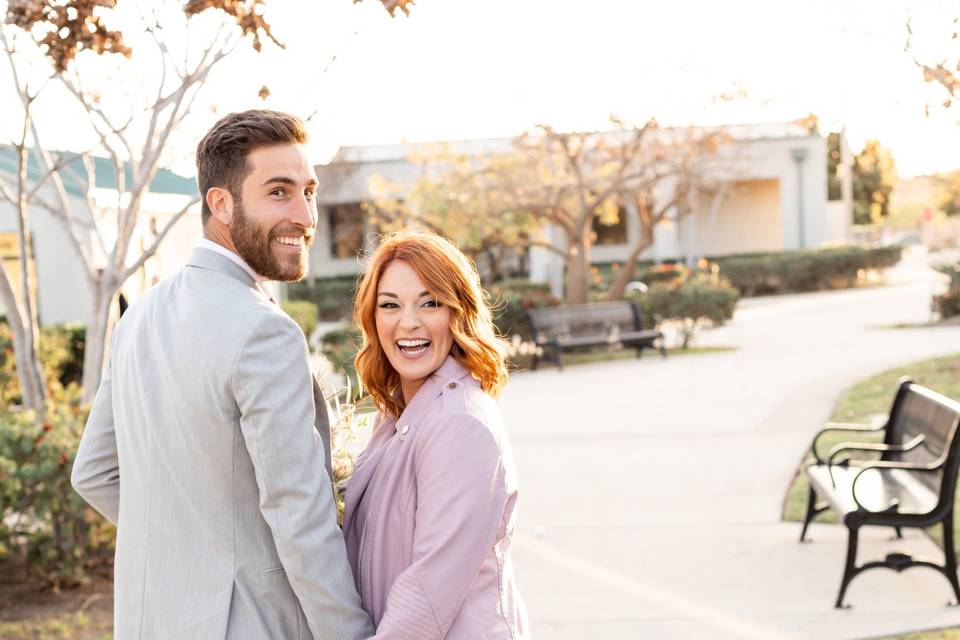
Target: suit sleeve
[(273, 388), (461, 497), (96, 467)]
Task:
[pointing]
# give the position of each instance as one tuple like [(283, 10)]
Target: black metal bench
[(911, 484), (581, 326)]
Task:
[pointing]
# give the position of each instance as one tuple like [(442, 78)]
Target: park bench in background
[(581, 326), (911, 484)]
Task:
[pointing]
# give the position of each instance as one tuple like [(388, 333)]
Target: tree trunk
[(628, 270), (22, 313), (95, 343), (578, 268), (29, 371), (645, 241)]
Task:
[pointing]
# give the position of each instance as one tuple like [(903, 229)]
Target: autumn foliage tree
[(566, 181), (874, 174)]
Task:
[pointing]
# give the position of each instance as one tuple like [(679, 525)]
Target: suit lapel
[(322, 424)]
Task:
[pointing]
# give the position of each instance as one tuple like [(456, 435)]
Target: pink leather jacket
[(430, 517)]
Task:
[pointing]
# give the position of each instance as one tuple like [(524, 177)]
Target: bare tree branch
[(150, 251)]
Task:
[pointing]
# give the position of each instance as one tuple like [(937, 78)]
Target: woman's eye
[(431, 303), (388, 305)]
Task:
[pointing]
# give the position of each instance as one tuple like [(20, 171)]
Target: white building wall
[(62, 291)]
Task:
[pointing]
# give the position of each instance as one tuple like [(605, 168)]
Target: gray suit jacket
[(201, 445)]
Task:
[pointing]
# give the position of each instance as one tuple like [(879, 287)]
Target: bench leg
[(950, 557), (898, 533), (639, 352), (812, 512), (850, 569), (558, 351), (535, 362)]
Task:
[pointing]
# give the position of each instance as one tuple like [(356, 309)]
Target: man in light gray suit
[(206, 441)]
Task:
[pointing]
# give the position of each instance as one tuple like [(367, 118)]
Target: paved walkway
[(652, 490)]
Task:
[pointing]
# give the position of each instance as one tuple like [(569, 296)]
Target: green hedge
[(333, 296), (796, 271), (768, 272)]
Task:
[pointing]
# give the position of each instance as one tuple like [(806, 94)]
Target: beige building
[(775, 199)]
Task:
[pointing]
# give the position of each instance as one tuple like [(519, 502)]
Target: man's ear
[(221, 204)]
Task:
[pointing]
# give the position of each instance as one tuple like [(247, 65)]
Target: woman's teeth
[(413, 346)]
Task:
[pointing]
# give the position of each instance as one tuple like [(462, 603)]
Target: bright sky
[(458, 69)]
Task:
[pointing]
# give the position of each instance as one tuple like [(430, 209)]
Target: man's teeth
[(412, 344), (294, 241)]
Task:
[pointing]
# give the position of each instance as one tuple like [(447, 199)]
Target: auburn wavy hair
[(453, 280)]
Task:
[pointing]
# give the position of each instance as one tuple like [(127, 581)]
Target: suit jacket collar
[(206, 259)]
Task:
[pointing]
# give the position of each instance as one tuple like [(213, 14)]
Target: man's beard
[(254, 244)]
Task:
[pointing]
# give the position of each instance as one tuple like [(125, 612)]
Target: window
[(347, 224), (607, 234)]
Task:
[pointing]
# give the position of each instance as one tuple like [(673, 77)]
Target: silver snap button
[(404, 429), (452, 385)]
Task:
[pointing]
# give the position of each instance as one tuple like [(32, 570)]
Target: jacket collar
[(213, 261), (450, 371)]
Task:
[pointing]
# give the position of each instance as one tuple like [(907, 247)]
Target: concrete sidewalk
[(652, 490)]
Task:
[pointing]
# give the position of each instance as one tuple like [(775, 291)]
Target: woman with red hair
[(431, 508)]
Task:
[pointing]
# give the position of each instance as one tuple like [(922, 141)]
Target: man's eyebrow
[(279, 180), (312, 182)]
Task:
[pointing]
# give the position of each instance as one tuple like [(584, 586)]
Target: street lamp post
[(799, 154)]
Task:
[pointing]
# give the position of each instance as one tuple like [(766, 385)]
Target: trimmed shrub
[(947, 305), (45, 527), (303, 313), (795, 271), (702, 299), (332, 296)]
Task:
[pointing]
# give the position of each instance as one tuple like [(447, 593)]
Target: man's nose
[(304, 213)]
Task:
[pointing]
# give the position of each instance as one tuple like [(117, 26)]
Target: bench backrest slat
[(596, 318), (920, 411)]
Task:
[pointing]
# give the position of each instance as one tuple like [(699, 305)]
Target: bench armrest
[(873, 446), (842, 426), (918, 467)]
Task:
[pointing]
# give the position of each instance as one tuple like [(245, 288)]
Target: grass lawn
[(936, 634), (862, 402)]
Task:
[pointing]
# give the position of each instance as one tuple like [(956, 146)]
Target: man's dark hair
[(222, 154)]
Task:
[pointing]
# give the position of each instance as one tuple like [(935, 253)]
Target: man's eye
[(309, 194), (277, 192)]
